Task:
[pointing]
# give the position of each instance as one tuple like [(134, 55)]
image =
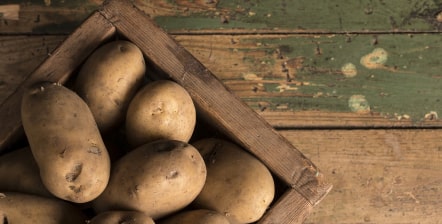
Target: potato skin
[(199, 216), (160, 110), (65, 141), (19, 172), (237, 183), (157, 178), (109, 79), (119, 217), (26, 208)]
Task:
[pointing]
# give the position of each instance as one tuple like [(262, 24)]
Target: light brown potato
[(157, 178), (109, 79), (121, 217), (160, 110), (19, 172), (200, 216), (237, 185), (26, 208), (65, 141)]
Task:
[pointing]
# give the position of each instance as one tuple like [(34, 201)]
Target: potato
[(120, 217), (26, 208), (109, 79), (65, 141), (157, 178), (160, 110), (19, 172), (200, 216), (237, 185)]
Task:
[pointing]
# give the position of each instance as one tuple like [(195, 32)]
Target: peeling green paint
[(349, 70), (358, 104), (316, 15), (407, 82), (375, 59)]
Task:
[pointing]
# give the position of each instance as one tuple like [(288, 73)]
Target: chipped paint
[(47, 2), (358, 104), (392, 92), (251, 77), (376, 59), (284, 106), (432, 115), (318, 94), (401, 117), (439, 17), (283, 87), (349, 70)]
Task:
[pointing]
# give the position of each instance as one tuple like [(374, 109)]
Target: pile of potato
[(116, 148)]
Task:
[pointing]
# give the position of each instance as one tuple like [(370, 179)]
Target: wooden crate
[(305, 184)]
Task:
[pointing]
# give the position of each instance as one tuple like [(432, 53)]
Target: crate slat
[(291, 208)]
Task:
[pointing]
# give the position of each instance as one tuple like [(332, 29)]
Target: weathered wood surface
[(379, 176), (343, 60), (394, 76), (223, 110), (54, 16)]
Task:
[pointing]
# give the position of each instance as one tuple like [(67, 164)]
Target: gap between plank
[(234, 32)]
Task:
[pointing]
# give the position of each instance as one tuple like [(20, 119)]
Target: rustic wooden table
[(354, 85)]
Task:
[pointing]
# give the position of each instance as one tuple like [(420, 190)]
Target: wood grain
[(285, 211), (326, 72), (202, 16), (379, 176), (388, 174)]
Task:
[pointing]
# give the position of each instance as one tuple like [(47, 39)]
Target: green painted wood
[(56, 16), (396, 76), (313, 16)]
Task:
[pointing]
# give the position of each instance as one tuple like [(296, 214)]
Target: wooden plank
[(393, 76), (283, 120), (379, 176), (225, 111), (90, 34), (232, 16), (403, 92), (284, 211)]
